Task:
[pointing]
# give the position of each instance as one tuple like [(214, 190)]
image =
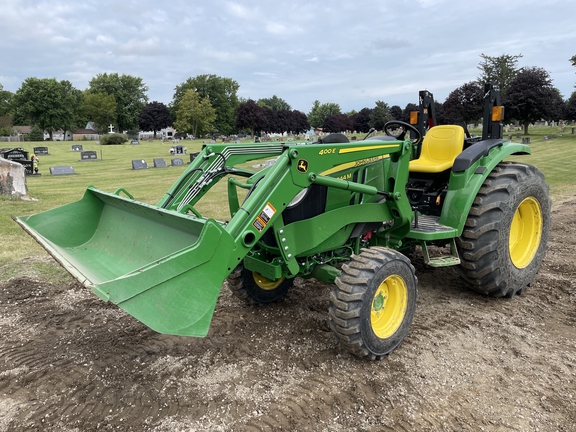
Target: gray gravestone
[(177, 162), (41, 151), (62, 170), (178, 149), (159, 163), (193, 156), (88, 155), (134, 142), (76, 147), (139, 164)]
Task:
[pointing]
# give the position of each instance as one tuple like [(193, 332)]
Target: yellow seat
[(440, 147)]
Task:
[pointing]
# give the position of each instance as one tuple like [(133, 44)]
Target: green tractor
[(341, 212)]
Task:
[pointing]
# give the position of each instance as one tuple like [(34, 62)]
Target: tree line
[(210, 104)]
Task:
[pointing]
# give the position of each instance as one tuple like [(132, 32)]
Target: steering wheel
[(405, 127)]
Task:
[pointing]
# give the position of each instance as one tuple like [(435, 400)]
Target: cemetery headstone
[(193, 156), (526, 140), (14, 154), (177, 161), (134, 142), (353, 138), (159, 163), (29, 167), (76, 147), (178, 149), (88, 155), (12, 178), (62, 170), (139, 164), (41, 151), (518, 136)]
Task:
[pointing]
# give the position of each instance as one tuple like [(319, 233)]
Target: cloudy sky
[(351, 52)]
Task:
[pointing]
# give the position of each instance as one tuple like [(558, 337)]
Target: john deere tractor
[(341, 212)]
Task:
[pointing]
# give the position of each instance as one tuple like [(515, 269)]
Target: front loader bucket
[(162, 267)]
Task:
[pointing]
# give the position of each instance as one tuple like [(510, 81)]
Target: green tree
[(129, 93), (47, 103), (5, 98), (195, 114), (275, 103), (319, 112), (99, 108), (36, 134), (500, 70), (380, 115), (531, 97), (154, 116), (573, 60), (222, 94)]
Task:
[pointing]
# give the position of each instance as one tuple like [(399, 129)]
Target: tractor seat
[(440, 147)]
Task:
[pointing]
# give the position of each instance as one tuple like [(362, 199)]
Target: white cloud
[(239, 10), (338, 51), (147, 47), (105, 39)]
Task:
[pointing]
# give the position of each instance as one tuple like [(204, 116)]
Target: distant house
[(56, 135), (23, 129), (81, 134)]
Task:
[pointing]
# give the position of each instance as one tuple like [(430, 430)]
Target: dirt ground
[(69, 362)]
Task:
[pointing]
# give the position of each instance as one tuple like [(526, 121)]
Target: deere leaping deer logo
[(302, 166)]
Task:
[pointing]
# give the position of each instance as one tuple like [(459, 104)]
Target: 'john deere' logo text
[(302, 166)]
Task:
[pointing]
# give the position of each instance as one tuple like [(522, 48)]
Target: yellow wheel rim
[(266, 284), (389, 306), (525, 232)]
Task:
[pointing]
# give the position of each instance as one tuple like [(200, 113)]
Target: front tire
[(505, 236), (252, 287), (373, 303)]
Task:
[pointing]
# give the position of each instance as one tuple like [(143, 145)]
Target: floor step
[(429, 224), (444, 260)]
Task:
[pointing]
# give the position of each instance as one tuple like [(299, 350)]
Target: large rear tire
[(373, 303), (504, 240), (252, 287)]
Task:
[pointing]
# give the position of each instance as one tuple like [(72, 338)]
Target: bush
[(36, 134), (6, 131), (113, 139)]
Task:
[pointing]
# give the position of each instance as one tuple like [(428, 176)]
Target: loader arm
[(165, 264)]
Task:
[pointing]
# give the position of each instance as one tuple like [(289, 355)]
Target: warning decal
[(264, 217)]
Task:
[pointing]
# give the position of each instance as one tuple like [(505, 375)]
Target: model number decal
[(327, 151)]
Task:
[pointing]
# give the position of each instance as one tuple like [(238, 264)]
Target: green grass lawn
[(553, 157)]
